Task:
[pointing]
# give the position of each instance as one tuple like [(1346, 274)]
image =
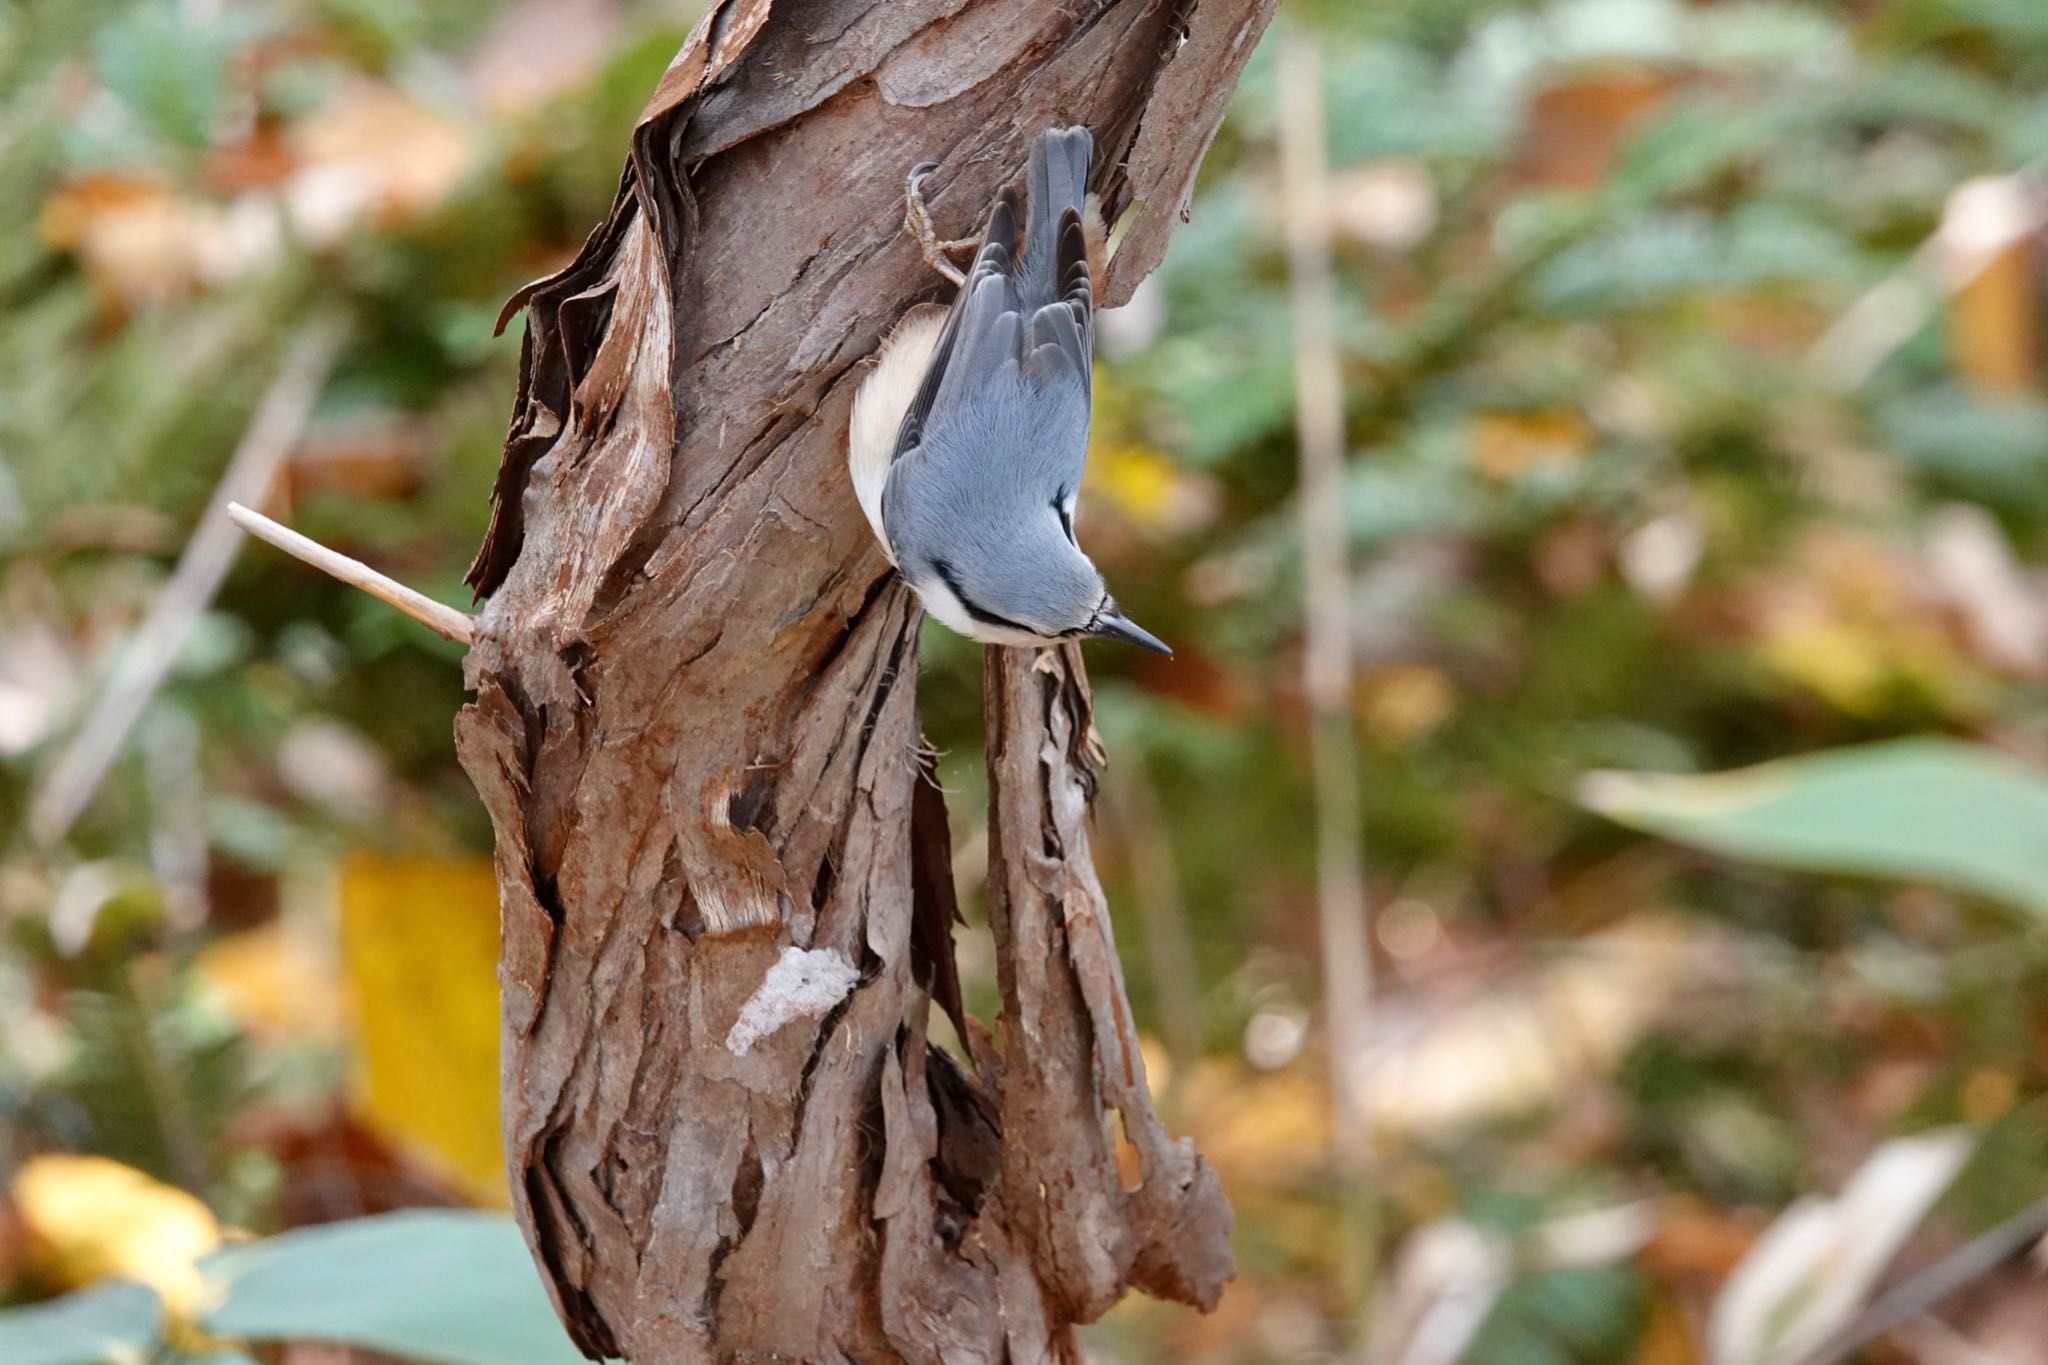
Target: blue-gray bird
[(969, 437)]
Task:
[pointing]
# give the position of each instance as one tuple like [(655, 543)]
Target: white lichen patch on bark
[(803, 984)]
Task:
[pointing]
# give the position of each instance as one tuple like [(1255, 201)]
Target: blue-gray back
[(995, 441)]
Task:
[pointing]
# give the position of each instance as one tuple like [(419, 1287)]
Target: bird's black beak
[(1116, 626)]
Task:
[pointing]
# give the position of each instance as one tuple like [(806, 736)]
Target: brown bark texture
[(727, 897)]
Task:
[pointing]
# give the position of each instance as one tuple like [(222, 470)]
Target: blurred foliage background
[(1696, 415)]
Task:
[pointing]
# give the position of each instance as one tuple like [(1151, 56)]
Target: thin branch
[(1923, 1291), (68, 783), (438, 617), (1327, 672)]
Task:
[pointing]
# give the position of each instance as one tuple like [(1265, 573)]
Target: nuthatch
[(969, 437)]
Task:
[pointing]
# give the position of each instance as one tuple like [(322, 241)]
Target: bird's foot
[(917, 221)]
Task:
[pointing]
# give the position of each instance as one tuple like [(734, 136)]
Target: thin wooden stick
[(1343, 910), (438, 617)]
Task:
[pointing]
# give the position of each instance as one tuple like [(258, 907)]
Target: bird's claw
[(917, 221)]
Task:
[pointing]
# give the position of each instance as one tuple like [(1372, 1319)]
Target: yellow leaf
[(88, 1218), (419, 949)]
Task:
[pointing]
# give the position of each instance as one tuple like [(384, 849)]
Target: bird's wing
[(1016, 354), (1060, 339), (1031, 307), (986, 298)]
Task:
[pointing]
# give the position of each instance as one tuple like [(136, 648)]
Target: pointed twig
[(438, 617)]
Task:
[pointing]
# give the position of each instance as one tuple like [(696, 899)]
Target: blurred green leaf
[(1988, 450), (1929, 809), (169, 68), (107, 1324), (1655, 258), (1563, 1316), (440, 1286)]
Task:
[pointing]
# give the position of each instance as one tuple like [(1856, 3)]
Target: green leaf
[(114, 1323), (434, 1285), (1928, 809)]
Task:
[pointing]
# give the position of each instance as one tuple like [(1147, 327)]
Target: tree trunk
[(727, 900)]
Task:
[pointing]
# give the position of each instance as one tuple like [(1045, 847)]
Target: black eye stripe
[(988, 618), (1059, 505)]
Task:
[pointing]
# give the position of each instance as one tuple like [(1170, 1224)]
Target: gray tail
[(1058, 181)]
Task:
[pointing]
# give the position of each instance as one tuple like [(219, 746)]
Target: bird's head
[(1031, 586)]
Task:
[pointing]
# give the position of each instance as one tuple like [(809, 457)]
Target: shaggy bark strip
[(725, 892)]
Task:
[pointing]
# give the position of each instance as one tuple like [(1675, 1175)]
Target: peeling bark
[(695, 733)]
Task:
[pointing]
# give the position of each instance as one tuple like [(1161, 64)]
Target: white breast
[(879, 407)]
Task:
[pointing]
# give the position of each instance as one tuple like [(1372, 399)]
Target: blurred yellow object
[(1987, 1093), (1148, 487), (1405, 703), (1852, 623), (1260, 1130), (88, 1218), (419, 951), (1509, 445), (1994, 322), (143, 243), (1843, 664), (377, 152), (1137, 479), (1667, 1338), (274, 983), (1158, 1063)]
